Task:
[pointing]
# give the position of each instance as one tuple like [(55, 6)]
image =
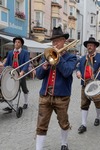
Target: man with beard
[(87, 70)]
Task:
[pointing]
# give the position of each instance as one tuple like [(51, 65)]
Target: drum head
[(93, 88), (9, 86)]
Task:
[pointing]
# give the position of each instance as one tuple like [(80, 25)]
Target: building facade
[(13, 20), (47, 14), (98, 21), (87, 21), (35, 19), (72, 19)]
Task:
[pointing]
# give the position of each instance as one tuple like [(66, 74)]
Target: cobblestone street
[(19, 134)]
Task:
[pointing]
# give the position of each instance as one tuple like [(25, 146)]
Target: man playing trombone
[(15, 58), (55, 91)]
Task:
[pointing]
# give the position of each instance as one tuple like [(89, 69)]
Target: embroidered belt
[(50, 90)]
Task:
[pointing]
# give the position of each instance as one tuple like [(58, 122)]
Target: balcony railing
[(73, 1), (55, 4), (37, 29), (72, 17)]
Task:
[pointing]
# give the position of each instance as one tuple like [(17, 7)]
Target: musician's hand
[(78, 74), (45, 65), (55, 47)]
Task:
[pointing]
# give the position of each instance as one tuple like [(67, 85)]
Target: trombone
[(52, 55)]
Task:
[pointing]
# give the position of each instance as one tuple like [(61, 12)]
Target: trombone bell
[(51, 55)]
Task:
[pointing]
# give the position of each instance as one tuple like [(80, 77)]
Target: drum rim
[(91, 93), (5, 97)]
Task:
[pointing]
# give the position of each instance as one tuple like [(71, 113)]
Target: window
[(65, 27), (78, 36), (20, 9), (0, 2), (20, 6), (56, 1), (99, 28), (39, 18), (72, 11), (3, 3), (55, 22), (70, 33), (91, 19), (65, 7), (17, 5)]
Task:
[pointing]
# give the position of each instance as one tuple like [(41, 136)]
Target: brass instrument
[(52, 55)]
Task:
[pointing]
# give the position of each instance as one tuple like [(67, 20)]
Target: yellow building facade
[(45, 14)]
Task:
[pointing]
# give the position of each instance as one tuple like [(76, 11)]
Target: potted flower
[(20, 14)]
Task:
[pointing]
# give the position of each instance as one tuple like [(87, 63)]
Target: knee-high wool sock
[(64, 135), (84, 117), (98, 113), (40, 142), (25, 98)]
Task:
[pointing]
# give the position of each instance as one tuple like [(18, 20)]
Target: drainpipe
[(97, 24), (81, 34), (29, 19)]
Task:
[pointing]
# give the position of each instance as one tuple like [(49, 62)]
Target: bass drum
[(9, 86)]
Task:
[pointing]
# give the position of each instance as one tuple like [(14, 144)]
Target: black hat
[(57, 33), (18, 38), (91, 40)]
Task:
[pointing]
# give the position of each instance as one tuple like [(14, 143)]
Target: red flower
[(20, 14)]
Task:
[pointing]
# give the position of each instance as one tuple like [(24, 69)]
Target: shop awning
[(32, 45), (48, 44)]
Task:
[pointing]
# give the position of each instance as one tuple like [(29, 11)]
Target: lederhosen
[(88, 76), (48, 103), (15, 64)]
